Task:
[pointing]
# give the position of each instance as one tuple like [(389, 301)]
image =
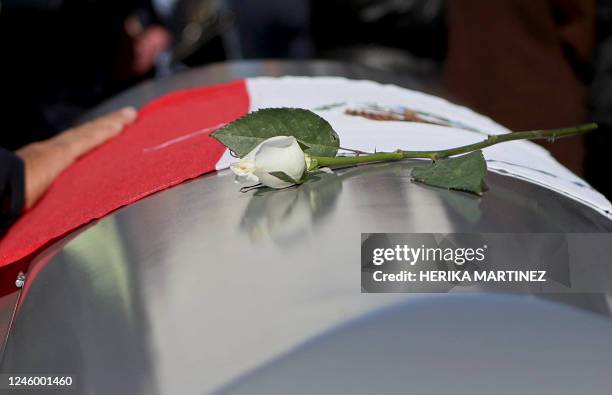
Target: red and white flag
[(170, 144)]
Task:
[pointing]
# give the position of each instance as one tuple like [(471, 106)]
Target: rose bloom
[(276, 154)]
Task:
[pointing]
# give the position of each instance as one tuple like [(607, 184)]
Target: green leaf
[(312, 131), (281, 175), (303, 145), (464, 173)]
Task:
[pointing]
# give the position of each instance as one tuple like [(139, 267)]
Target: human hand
[(145, 45), (45, 160)]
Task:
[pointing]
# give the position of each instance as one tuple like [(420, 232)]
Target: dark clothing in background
[(273, 28), (59, 58), (525, 63), (599, 143), (407, 37), (12, 193)]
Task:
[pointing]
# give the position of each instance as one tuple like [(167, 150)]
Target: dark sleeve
[(12, 189), (528, 70)]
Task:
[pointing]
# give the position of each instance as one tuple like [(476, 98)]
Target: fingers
[(111, 123), (123, 117), (83, 138)]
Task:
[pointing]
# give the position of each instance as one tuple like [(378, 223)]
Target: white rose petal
[(276, 154)]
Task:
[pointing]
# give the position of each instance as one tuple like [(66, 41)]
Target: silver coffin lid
[(202, 289)]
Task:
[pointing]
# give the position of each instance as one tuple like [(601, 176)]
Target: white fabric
[(520, 159)]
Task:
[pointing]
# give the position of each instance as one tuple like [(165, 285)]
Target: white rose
[(276, 154)]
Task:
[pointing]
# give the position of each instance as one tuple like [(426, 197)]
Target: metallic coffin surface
[(460, 345), (190, 289), (203, 289)]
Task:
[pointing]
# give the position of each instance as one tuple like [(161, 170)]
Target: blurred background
[(527, 64)]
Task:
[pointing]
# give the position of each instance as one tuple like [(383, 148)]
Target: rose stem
[(434, 155)]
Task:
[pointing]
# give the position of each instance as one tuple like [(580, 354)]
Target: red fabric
[(168, 144)]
